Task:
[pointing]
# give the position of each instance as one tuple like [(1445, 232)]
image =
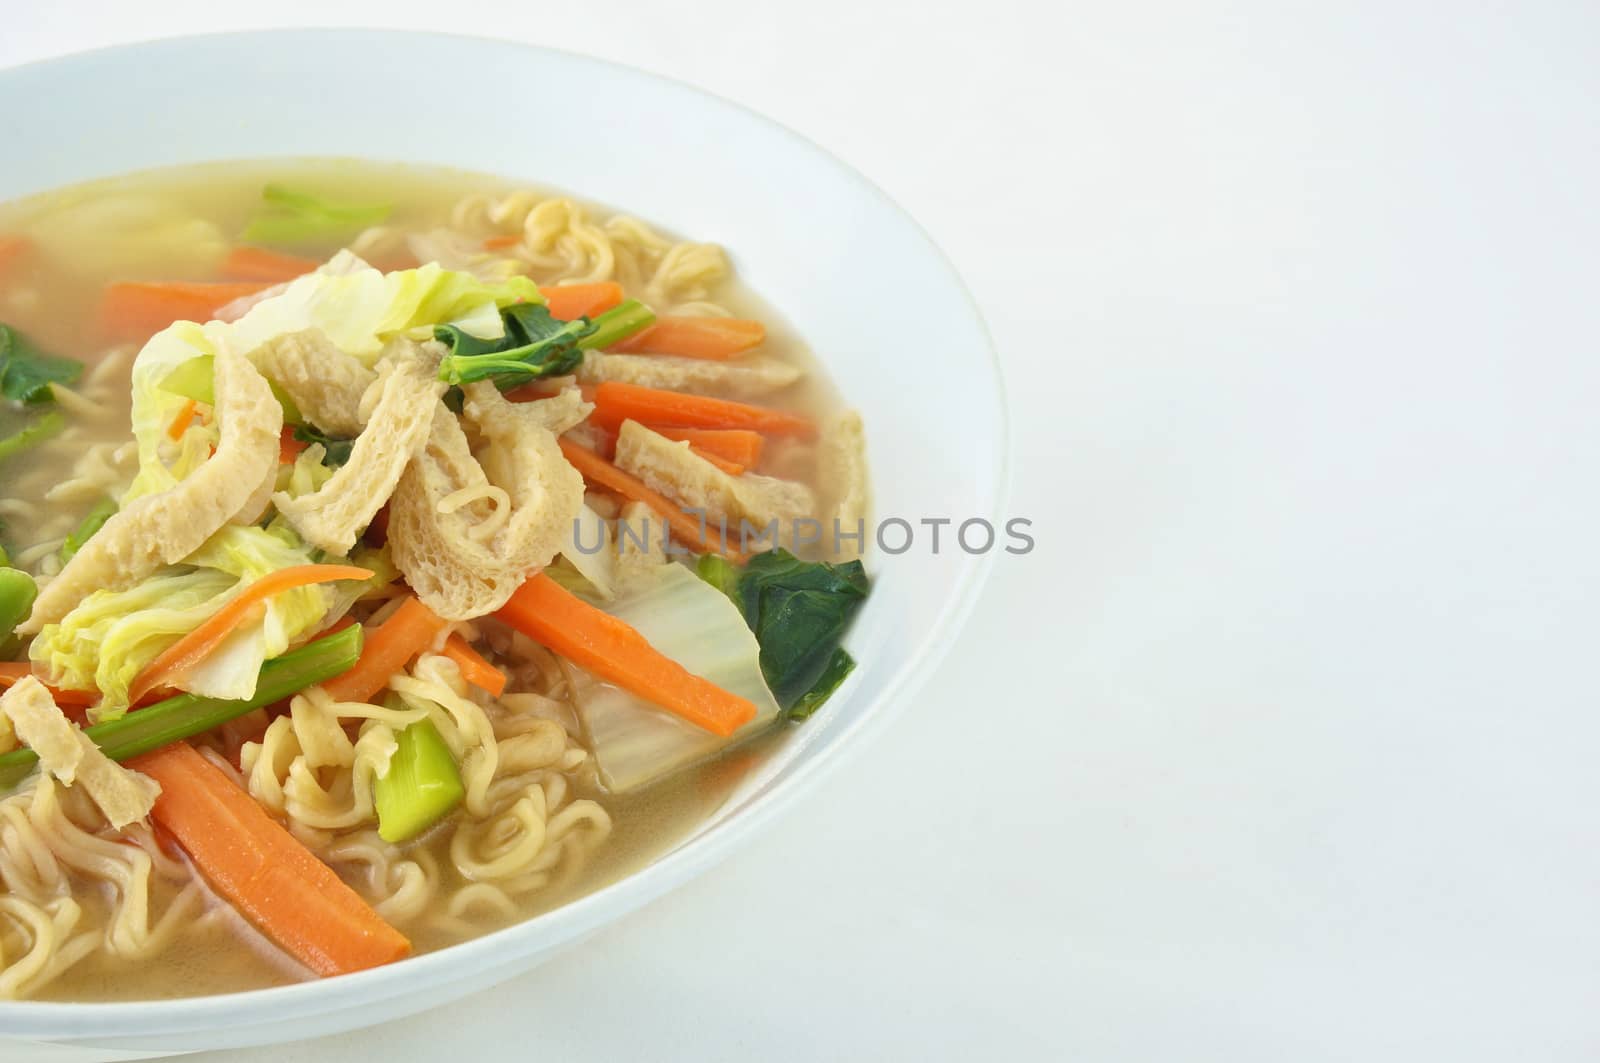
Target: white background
[(1282, 744)]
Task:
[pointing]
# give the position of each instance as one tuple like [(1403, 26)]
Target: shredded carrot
[(386, 650), (173, 663), (474, 669), (738, 445), (568, 302), (257, 866), (554, 617), (289, 448), (616, 402), (12, 249), (259, 264), (732, 468), (140, 309), (691, 530), (716, 338), (180, 424), (502, 241)]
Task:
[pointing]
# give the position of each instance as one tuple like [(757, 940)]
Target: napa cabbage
[(109, 637)]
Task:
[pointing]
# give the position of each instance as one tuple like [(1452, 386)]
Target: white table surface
[(1282, 744)]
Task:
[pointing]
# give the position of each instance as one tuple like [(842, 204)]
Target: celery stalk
[(17, 591), (617, 324), (168, 721), (421, 786)]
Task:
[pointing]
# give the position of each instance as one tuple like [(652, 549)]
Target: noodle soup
[(393, 554)]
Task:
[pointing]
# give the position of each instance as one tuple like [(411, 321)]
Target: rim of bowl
[(616, 900)]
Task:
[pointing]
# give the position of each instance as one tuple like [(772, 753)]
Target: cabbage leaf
[(109, 637), (693, 623)]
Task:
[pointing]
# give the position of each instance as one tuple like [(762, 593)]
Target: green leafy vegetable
[(335, 451), (180, 717), (421, 786), (534, 345), (292, 217), (95, 520), (839, 667), (32, 435), (799, 611), (26, 372)]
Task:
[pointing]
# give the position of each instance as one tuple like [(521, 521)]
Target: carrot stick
[(387, 650), (474, 669), (717, 338), (616, 402), (732, 468), (737, 445), (552, 616), (178, 659), (180, 424), (599, 471), (502, 241), (259, 264), (258, 867), (568, 302), (145, 309)]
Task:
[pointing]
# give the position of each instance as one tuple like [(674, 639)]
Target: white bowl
[(854, 274)]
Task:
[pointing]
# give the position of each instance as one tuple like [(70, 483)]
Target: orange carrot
[(717, 338), (387, 650), (732, 468), (139, 309), (180, 424), (474, 669), (502, 241), (11, 671), (568, 302), (259, 264), (289, 447), (176, 661), (616, 402), (551, 615), (12, 249), (258, 867), (737, 445), (688, 528)]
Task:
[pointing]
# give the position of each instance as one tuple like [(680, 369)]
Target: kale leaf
[(534, 345)]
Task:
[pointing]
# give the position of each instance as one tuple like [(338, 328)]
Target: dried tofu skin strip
[(745, 378), (467, 528), (842, 464), (325, 383), (333, 516), (71, 757), (164, 528), (675, 470)]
